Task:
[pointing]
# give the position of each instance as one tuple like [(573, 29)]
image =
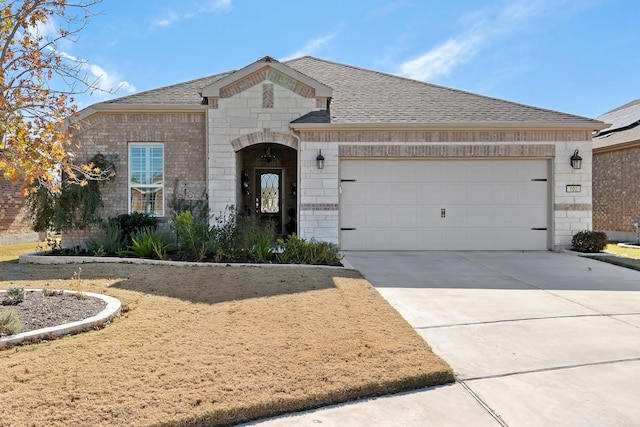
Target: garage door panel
[(444, 205), (377, 194), (404, 194), (429, 194), (379, 216), (455, 193), (407, 216)]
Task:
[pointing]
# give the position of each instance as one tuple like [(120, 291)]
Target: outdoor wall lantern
[(576, 160), (320, 160)]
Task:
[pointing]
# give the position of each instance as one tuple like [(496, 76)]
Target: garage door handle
[(347, 229), (539, 179), (539, 228), (347, 180)]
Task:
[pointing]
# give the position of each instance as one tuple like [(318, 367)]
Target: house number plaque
[(574, 188)]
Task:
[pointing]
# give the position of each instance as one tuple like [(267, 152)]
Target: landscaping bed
[(212, 345)]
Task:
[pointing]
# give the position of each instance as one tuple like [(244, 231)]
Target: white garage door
[(444, 204)]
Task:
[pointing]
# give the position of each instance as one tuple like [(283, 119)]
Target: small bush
[(132, 223), (110, 242), (194, 237), (9, 322), (52, 292), (152, 243), (296, 250), (16, 294), (239, 237), (589, 241)]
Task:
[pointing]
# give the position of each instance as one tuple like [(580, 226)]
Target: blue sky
[(576, 56)]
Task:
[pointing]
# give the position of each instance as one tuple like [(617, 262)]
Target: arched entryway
[(268, 184)]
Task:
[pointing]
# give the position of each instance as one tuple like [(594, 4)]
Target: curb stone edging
[(109, 312), (34, 258)]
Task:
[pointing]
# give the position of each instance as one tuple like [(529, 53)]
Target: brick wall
[(184, 139), (12, 212), (616, 189)]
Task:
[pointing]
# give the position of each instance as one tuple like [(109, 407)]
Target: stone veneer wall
[(183, 136), (250, 114), (319, 189), (616, 192)]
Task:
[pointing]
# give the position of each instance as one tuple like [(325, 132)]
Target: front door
[(269, 197)]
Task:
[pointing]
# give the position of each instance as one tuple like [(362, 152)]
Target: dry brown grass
[(212, 346)]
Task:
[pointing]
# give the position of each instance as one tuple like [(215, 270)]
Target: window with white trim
[(146, 178)]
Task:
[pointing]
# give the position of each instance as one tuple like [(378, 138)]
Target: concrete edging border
[(109, 312), (34, 258)]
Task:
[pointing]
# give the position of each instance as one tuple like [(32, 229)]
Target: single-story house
[(360, 158), (616, 175)]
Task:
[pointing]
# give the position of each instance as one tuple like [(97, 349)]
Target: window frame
[(130, 185)]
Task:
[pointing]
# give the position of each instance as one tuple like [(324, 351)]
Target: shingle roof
[(366, 96), (625, 126), (186, 93)]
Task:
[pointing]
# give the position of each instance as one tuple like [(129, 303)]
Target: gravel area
[(38, 311)]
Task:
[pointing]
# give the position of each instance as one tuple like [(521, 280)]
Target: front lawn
[(212, 345), (621, 251)]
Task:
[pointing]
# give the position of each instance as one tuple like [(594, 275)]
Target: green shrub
[(110, 242), (132, 223), (151, 242), (9, 322), (226, 239), (296, 250), (75, 206), (194, 237), (240, 237), (16, 294), (262, 250), (589, 241)]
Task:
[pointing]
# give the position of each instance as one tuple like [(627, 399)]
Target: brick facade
[(616, 192), (14, 226), (183, 136)]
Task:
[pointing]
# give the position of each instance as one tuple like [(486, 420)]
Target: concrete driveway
[(536, 339)]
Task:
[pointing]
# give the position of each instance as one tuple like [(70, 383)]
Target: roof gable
[(270, 69)]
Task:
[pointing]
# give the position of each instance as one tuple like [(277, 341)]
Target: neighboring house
[(14, 226), (616, 173), (407, 165)]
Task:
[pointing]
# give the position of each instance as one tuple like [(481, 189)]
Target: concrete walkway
[(536, 339)]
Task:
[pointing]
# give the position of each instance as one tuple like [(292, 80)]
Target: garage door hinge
[(539, 179), (539, 228), (347, 180), (347, 229)]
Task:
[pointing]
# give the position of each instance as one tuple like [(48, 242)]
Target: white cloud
[(216, 6), (207, 7), (311, 47), (441, 60), (484, 26), (45, 29), (109, 83)]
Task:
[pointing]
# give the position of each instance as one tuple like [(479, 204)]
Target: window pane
[(270, 193), (147, 200), (146, 178)]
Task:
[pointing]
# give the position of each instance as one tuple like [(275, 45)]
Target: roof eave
[(588, 126), (139, 108)]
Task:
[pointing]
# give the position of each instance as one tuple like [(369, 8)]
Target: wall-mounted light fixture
[(267, 156), (576, 160), (320, 160)]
